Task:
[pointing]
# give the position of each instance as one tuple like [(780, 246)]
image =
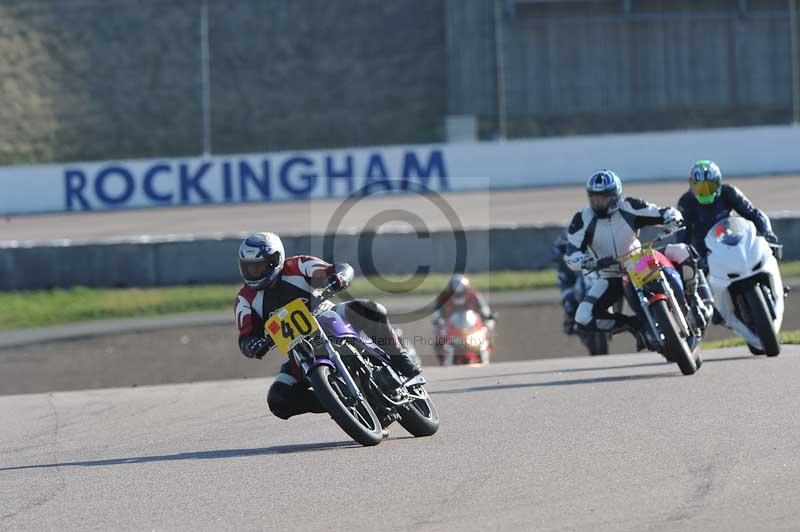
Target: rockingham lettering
[(233, 180)]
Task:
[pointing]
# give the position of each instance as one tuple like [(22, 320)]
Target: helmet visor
[(705, 191), (253, 271), (705, 188), (601, 202), (257, 270)]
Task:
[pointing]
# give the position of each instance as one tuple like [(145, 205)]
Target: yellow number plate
[(290, 324), (640, 267)]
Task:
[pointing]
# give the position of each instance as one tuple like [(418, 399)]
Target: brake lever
[(666, 234)]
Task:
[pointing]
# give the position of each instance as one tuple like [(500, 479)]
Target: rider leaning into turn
[(271, 281), (709, 201), (608, 229)]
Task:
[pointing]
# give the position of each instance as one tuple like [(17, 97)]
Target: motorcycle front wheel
[(355, 416), (761, 319), (675, 346)]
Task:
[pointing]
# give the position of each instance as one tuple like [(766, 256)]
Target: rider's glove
[(339, 281), (771, 237), (606, 262), (589, 262), (256, 347), (673, 219)]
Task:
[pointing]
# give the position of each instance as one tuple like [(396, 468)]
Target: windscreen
[(464, 320), (729, 231)]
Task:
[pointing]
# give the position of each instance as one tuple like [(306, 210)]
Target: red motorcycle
[(466, 339)]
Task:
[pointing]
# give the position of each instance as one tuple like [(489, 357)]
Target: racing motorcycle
[(466, 340), (655, 292), (350, 375), (746, 283)]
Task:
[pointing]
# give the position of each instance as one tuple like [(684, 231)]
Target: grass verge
[(54, 307)]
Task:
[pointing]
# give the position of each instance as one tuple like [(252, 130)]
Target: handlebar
[(666, 234), (326, 291), (777, 250), (663, 236)]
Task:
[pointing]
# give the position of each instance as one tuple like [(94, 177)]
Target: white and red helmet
[(261, 257)]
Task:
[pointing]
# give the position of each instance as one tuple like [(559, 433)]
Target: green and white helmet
[(705, 181)]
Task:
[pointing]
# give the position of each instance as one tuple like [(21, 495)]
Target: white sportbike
[(746, 283)]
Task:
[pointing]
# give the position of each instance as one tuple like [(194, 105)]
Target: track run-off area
[(622, 442), (549, 205)]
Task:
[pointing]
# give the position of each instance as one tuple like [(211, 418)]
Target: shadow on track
[(557, 371), (592, 368), (203, 455), (728, 359), (566, 382)]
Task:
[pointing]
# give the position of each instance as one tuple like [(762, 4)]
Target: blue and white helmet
[(605, 190), (261, 258)]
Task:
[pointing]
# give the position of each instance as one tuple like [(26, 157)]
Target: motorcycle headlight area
[(729, 233)]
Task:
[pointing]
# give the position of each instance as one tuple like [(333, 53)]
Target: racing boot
[(693, 278), (633, 325), (640, 333), (568, 326), (703, 290), (642, 342), (400, 358), (698, 315), (704, 293)]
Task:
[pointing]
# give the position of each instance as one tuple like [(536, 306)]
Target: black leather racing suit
[(699, 218)]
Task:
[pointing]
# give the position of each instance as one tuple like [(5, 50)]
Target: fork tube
[(676, 309), (334, 357), (646, 310)]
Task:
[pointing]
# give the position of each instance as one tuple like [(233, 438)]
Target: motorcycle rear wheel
[(675, 346), (420, 418), (762, 320), (359, 422)]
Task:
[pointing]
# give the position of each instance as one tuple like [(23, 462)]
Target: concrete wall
[(116, 185), (103, 79), (114, 79), (637, 65), (213, 261)]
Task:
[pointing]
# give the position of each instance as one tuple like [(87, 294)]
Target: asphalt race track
[(614, 443), (554, 205), (622, 442)]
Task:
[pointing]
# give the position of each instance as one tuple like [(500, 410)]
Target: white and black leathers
[(590, 235)]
